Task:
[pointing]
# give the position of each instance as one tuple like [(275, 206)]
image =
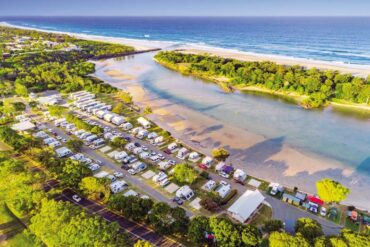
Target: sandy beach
[(142, 45), (268, 159)]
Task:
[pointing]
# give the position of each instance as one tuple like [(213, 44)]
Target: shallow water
[(332, 133)]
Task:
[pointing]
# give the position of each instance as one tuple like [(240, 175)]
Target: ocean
[(334, 39)]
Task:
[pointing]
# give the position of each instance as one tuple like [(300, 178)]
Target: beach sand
[(359, 70), (268, 159)]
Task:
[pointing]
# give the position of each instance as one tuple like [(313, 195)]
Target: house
[(220, 166), (139, 166), (144, 155), (240, 175), (209, 185), (185, 192), (92, 138), (194, 156), (100, 114), (172, 146), (54, 144), (130, 146), (109, 116), (246, 206), (276, 188), (143, 122), (49, 140), (164, 165), (118, 186), (207, 162), (182, 153), (118, 120), (224, 189), (152, 135), (142, 133), (63, 152), (41, 134), (291, 199), (159, 177), (130, 193), (23, 126), (121, 155), (158, 140), (127, 126), (136, 130)]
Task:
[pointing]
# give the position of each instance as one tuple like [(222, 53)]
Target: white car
[(323, 211), (76, 198), (132, 171), (164, 182)]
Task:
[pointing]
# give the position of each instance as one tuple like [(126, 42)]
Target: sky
[(185, 8)]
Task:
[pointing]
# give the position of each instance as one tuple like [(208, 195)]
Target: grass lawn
[(264, 214), (5, 217), (20, 239), (4, 146)]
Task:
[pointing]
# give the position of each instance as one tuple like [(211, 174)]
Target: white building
[(127, 126), (182, 153), (118, 120), (240, 175), (224, 189), (118, 186), (109, 116), (185, 192), (143, 122), (246, 206), (23, 126)]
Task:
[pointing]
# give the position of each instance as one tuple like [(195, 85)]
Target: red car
[(202, 166)]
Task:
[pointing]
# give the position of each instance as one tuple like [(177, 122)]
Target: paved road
[(136, 231), (281, 210)]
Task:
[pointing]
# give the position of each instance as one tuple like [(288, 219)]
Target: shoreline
[(297, 98), (142, 44), (268, 159)]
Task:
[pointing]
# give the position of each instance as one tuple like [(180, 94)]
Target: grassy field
[(11, 230), (4, 147)]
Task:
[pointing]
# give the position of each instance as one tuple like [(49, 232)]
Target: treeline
[(65, 71), (320, 86), (80, 124), (52, 223)]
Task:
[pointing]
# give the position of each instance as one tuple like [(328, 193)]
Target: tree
[(73, 172), (148, 110), (118, 109), (181, 220), (143, 243), (160, 218), (64, 224), (185, 173), (75, 145), (308, 228), (354, 239), (226, 233), (273, 226), (220, 154), (118, 142), (8, 107), (125, 97), (283, 239), (57, 111), (251, 235), (209, 204), (132, 207), (197, 228), (95, 188), (330, 242), (331, 191), (20, 89)]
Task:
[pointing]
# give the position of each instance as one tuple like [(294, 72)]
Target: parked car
[(76, 198), (164, 182), (178, 200), (323, 211)]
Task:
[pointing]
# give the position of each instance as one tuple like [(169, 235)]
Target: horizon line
[(196, 16)]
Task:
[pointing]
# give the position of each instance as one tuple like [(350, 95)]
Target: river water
[(334, 134)]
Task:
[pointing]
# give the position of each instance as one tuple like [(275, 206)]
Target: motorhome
[(144, 122)]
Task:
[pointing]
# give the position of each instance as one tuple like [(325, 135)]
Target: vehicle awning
[(315, 200)]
